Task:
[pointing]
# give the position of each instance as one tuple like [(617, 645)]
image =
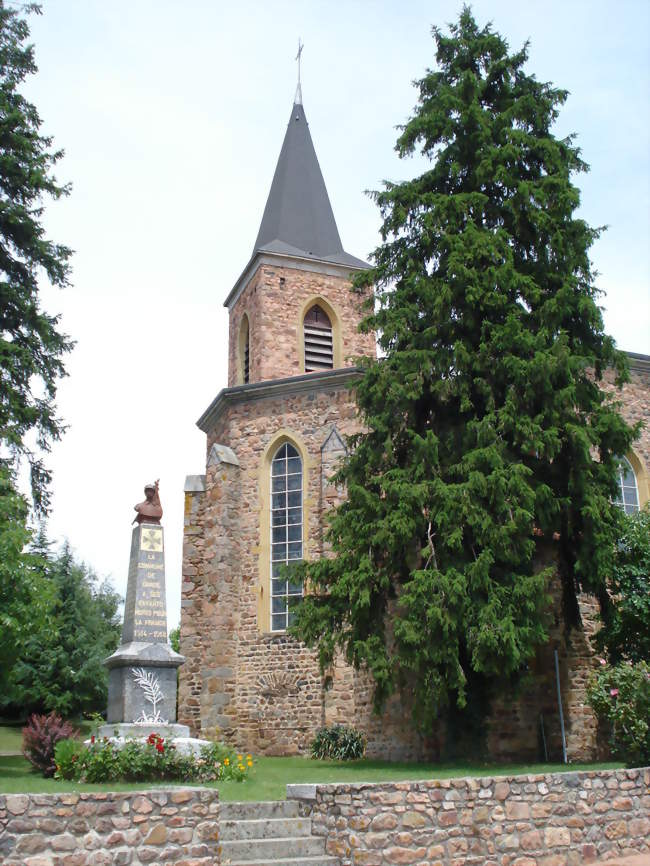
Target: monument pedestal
[(142, 677), (142, 670), (142, 684)]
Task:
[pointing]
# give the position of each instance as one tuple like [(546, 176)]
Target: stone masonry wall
[(561, 819), (178, 826), (273, 300), (634, 401)]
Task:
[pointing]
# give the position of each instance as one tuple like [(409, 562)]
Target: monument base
[(125, 730), (177, 736), (134, 670)]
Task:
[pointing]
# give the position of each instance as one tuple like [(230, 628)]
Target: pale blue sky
[(172, 117)]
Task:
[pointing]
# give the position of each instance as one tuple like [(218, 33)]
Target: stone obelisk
[(142, 671)]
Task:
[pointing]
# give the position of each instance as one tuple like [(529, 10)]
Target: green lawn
[(11, 738), (11, 735), (271, 775)]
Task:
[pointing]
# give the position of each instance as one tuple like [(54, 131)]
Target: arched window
[(286, 531), (244, 349), (628, 491), (319, 345)]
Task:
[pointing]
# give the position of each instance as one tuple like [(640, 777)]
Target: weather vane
[(298, 99)]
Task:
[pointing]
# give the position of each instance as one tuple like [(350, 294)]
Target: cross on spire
[(298, 99)]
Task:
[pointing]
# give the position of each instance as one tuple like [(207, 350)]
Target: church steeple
[(298, 218)]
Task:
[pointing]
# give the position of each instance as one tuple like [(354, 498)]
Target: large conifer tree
[(487, 432), (31, 346)]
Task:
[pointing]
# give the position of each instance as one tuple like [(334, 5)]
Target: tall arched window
[(286, 531), (244, 349), (628, 492), (319, 345)]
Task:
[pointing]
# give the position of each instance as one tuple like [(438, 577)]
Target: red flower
[(613, 692), (160, 748), (92, 739)]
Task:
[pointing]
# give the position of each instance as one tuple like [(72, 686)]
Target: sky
[(172, 116)]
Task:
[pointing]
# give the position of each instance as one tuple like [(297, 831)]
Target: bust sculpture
[(149, 511)]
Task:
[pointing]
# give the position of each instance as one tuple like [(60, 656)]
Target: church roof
[(298, 220), (298, 217)]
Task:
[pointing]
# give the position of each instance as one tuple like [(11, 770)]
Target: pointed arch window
[(286, 531), (319, 343), (244, 349), (628, 491)]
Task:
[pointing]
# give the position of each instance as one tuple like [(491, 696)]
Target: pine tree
[(487, 434), (24, 593), (61, 663), (31, 347)]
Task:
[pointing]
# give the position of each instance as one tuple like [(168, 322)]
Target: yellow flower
[(239, 758), (250, 763), (226, 761), (249, 757), (241, 768)]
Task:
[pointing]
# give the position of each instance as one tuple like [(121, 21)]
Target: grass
[(11, 734), (271, 775), (11, 738)]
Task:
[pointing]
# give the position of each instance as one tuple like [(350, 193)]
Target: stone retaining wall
[(178, 826), (561, 819)]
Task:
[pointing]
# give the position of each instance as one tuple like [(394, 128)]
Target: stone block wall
[(179, 826), (561, 819)]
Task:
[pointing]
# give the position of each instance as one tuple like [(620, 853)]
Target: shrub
[(40, 736), (66, 758), (620, 696), (339, 743)]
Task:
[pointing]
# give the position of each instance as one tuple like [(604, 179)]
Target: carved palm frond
[(148, 682)]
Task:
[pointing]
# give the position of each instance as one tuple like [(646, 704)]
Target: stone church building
[(274, 437)]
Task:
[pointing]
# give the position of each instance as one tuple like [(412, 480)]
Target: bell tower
[(298, 269), (275, 436)]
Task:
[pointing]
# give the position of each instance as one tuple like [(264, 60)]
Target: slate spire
[(298, 218)]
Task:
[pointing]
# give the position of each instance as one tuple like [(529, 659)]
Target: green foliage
[(626, 630), (151, 760), (40, 736), (175, 638), (486, 431), (31, 347), (66, 757), (24, 594), (620, 696), (61, 663), (338, 743)]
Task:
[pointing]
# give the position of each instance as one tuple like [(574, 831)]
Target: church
[(274, 437)]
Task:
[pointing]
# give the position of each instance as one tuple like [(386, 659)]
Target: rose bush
[(620, 696)]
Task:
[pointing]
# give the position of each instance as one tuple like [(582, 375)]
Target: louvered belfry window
[(319, 346), (246, 358)]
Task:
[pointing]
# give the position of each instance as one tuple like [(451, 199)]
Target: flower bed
[(149, 760)]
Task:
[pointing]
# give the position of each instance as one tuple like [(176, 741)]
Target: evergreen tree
[(24, 593), (486, 431), (60, 666), (31, 347)]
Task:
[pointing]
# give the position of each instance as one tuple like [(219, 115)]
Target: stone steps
[(264, 828), (248, 811), (286, 861), (269, 834)]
